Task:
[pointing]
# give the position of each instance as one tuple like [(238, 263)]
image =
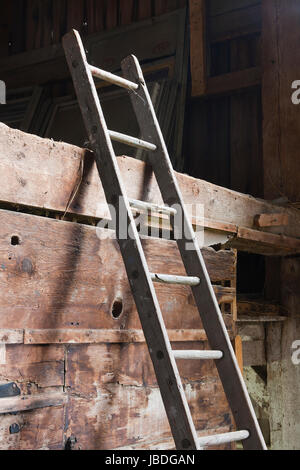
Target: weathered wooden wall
[(70, 337)]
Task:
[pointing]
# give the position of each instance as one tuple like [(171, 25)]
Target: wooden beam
[(21, 180), (233, 81), (198, 47), (32, 402), (64, 275), (268, 244)]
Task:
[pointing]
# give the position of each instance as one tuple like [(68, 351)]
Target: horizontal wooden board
[(32, 402), (41, 429), (29, 163), (62, 276)]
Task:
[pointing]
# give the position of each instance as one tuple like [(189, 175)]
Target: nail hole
[(160, 355), (15, 240), (117, 308)]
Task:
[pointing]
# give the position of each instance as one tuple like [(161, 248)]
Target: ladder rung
[(219, 439), (198, 355), (177, 280), (152, 207), (114, 79), (131, 141)]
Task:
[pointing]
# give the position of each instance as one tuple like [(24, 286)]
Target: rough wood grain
[(45, 284), (104, 336), (27, 403), (130, 415), (198, 47)]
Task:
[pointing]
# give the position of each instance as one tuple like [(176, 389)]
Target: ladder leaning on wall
[(140, 279)]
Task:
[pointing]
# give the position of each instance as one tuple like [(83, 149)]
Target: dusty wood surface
[(22, 176), (61, 276)]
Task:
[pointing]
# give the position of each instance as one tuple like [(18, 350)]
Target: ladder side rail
[(143, 291), (229, 372)]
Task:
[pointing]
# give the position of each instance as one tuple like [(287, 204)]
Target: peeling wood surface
[(40, 163), (79, 281), (27, 403)]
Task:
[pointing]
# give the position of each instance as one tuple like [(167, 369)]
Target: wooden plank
[(61, 163), (144, 9), (111, 14), (198, 47), (232, 81), (40, 429), (239, 352), (32, 402), (219, 7), (281, 66), (59, 12), (43, 374), (260, 319), (2, 354), (139, 418), (166, 444), (90, 367), (75, 15), (126, 11), (276, 243), (206, 302)]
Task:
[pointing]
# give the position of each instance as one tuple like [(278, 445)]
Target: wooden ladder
[(141, 280)]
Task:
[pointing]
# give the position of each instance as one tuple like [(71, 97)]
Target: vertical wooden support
[(238, 346), (281, 142), (198, 47)]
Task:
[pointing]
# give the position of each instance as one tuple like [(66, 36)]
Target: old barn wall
[(70, 337)]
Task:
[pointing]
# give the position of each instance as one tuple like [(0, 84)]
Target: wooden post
[(281, 142), (198, 47), (238, 346)]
